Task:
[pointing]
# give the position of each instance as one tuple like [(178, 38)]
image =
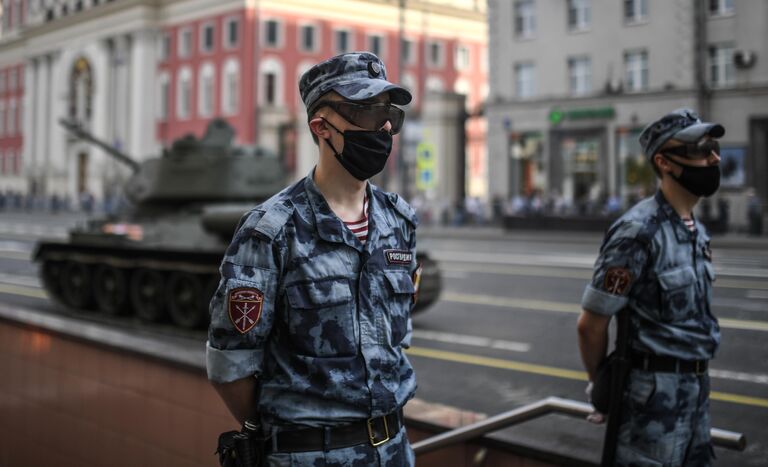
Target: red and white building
[(140, 73)]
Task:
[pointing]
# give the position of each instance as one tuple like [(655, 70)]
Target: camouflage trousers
[(396, 452), (665, 421)]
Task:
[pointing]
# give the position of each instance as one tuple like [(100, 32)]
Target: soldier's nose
[(387, 127)]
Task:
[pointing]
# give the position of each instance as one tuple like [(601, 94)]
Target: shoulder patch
[(403, 208), (273, 220)]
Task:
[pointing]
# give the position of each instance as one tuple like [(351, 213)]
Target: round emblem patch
[(617, 281), (374, 69)]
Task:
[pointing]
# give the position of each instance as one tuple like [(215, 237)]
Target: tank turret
[(157, 257)]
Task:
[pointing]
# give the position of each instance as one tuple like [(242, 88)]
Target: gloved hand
[(595, 417)]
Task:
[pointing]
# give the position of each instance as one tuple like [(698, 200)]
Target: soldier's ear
[(319, 128)]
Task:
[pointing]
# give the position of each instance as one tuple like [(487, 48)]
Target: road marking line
[(738, 376), (476, 341), (757, 294), (23, 291), (554, 372), (563, 307), (15, 255), (569, 273)]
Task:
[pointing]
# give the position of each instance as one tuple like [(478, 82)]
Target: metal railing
[(722, 438)]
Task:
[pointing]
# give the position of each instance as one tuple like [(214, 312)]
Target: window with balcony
[(525, 18), (636, 70), (635, 11), (721, 72), (525, 80), (580, 75), (579, 15)]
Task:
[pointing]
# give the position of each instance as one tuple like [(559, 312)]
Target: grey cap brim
[(695, 132), (362, 89)]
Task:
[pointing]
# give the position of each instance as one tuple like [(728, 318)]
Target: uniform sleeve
[(415, 270), (621, 262), (243, 307)]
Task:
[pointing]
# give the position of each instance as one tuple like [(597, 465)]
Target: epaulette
[(403, 208), (273, 220)]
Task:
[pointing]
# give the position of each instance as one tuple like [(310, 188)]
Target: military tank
[(157, 257)]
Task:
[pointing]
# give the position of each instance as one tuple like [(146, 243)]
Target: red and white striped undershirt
[(360, 227), (690, 224)]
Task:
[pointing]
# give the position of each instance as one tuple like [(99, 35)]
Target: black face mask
[(365, 152), (699, 181)]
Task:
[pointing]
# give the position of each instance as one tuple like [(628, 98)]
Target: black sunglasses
[(701, 150), (368, 116)]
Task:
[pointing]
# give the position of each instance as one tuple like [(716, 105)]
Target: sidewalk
[(494, 233)]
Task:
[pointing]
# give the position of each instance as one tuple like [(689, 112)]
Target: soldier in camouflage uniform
[(311, 318), (656, 261)]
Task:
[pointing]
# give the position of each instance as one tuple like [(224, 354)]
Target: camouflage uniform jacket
[(652, 263), (327, 344)]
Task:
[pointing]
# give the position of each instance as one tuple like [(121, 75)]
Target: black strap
[(665, 364), (373, 431)]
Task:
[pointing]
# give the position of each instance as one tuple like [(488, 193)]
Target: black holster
[(243, 448)]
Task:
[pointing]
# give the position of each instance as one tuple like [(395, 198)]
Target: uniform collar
[(329, 227), (682, 233), (379, 224)]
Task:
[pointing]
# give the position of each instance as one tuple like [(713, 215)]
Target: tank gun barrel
[(79, 132)]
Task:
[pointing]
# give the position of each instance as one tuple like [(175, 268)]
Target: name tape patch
[(398, 256)]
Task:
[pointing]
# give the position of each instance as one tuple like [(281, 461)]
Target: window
[(409, 83), (271, 82), (376, 45), (635, 11), (343, 41), (185, 42), (205, 90), (164, 46), (461, 61), (2, 118), (435, 54), (525, 80), (308, 38), (163, 94), (434, 84), (206, 38), (721, 65), (720, 7), (2, 81), (272, 33), (636, 70), (579, 14), (409, 53), (184, 94), (580, 75), (230, 87), (525, 18), (12, 83), (11, 128), (231, 32)]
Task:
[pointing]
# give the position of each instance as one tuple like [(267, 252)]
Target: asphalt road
[(503, 333)]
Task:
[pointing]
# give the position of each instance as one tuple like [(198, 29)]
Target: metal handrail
[(723, 438)]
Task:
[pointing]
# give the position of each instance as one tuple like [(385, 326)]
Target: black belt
[(662, 364), (374, 431)]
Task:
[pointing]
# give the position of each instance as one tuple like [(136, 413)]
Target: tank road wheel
[(50, 273), (110, 289), (76, 285), (147, 295), (185, 300)]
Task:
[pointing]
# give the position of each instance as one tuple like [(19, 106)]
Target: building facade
[(141, 73), (572, 83)]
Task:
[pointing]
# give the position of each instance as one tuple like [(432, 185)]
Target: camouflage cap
[(355, 76), (682, 125)]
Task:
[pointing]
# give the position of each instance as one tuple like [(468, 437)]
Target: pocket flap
[(400, 281), (710, 271), (676, 278), (319, 294)]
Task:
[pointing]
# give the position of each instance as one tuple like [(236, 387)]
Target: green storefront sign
[(556, 115)]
